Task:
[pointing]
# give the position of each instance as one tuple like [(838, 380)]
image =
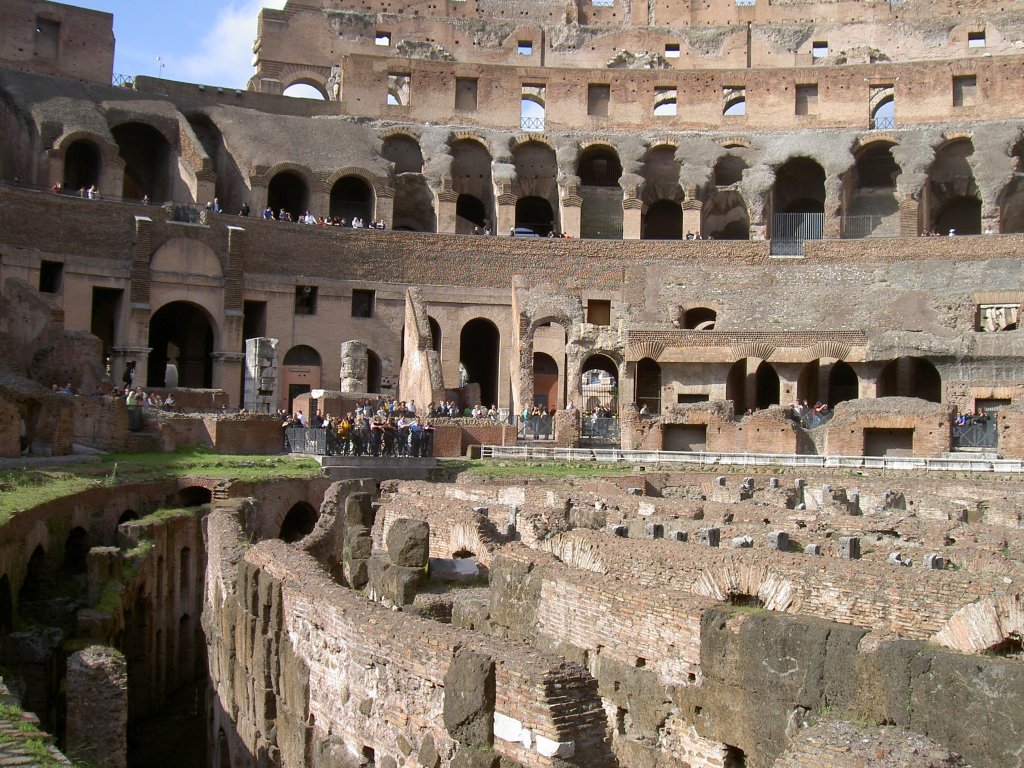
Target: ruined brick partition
[(342, 676)]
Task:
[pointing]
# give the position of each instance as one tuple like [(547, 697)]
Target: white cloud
[(224, 55)]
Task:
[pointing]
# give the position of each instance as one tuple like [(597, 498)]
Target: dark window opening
[(305, 299), (699, 319), (684, 399), (362, 303), (47, 38), (254, 320), (479, 345), (466, 93), (745, 601), (51, 276), (287, 192), (298, 523), (598, 98), (648, 385), (194, 496), (81, 166), (599, 312)]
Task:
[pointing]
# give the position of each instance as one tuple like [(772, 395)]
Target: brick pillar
[(385, 208), (789, 376), (909, 211), (632, 211), (206, 187), (571, 205), (692, 216), (257, 199), (445, 203), (506, 213), (97, 706), (54, 167)]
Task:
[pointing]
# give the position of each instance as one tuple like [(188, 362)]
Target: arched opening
[(471, 178), (6, 606), (661, 173), (531, 109), (535, 214), (180, 334), (479, 345), (599, 385), (876, 168), (735, 107), (798, 201), (374, 372), (404, 153), (288, 192), (302, 355), (599, 166), (413, 209), (700, 319), (751, 384), (599, 169), (545, 380), (883, 116), (470, 215), (663, 221), (953, 194), (147, 162), (648, 385), (298, 523), (35, 588), (352, 197), (301, 370), (729, 170), (725, 217), (194, 496), (741, 600), (127, 516), (435, 335), (76, 552), (910, 377), (961, 215), (843, 383), (872, 209), (537, 178), (81, 166), (306, 89)]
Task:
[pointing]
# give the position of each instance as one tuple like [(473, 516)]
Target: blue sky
[(199, 41)]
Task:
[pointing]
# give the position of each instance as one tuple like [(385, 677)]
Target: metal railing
[(535, 427), (983, 435), (123, 81), (600, 430), (883, 123), (790, 230), (531, 123), (870, 225), (320, 441), (703, 459)]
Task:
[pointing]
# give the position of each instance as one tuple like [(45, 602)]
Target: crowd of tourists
[(811, 416), (382, 429)]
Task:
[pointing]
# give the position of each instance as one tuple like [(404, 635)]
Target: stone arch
[(149, 160), (872, 207), (700, 318), (185, 332), (598, 165), (775, 592), (601, 213), (83, 163), (76, 551), (194, 496), (729, 170), (575, 552), (985, 625), (725, 216), (536, 176), (752, 384), (599, 391), (954, 199), (298, 523), (536, 214), (312, 78), (352, 195), (799, 187), (660, 171), (403, 152), (471, 176), (910, 377), (302, 354), (288, 189), (479, 353), (545, 380), (467, 537)]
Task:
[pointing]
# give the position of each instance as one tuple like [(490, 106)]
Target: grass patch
[(24, 489), (545, 469), (28, 740)]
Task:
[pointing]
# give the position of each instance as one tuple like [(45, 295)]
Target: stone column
[(789, 375), (260, 389), (909, 212), (692, 216), (353, 366), (571, 212), (506, 213), (97, 706), (226, 369), (445, 200), (385, 208), (632, 211)]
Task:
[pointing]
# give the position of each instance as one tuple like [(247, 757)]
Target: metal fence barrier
[(600, 430), (984, 435), (319, 441)]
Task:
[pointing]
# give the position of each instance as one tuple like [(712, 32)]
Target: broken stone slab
[(359, 510), (742, 542), (778, 540), (849, 547), (934, 561), (680, 536), (399, 584), (897, 558), (621, 531), (712, 537), (654, 531), (408, 543), (469, 693), (812, 549)]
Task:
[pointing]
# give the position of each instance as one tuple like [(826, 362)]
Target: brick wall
[(931, 424), (101, 422)]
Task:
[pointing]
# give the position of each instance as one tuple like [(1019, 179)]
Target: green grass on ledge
[(22, 489)]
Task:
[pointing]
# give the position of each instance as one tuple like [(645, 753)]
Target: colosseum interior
[(725, 297)]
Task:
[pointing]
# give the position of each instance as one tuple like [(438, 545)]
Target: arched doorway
[(435, 335), (663, 221), (470, 214), (471, 178), (535, 214), (404, 153), (545, 381), (36, 587), (298, 523), (181, 332), (352, 197), (147, 162), (76, 552), (843, 383), (287, 191), (798, 201), (648, 385), (599, 385), (479, 345), (725, 216), (751, 384), (962, 215), (700, 319), (872, 209), (305, 89), (301, 372), (599, 169), (910, 377), (81, 166), (953, 194)]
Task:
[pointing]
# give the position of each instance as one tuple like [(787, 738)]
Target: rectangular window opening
[(819, 49), (965, 90), (525, 48), (47, 38), (382, 38), (807, 99), (671, 50), (362, 302), (305, 299), (976, 39), (599, 312), (51, 276), (602, 3), (598, 97), (466, 93)]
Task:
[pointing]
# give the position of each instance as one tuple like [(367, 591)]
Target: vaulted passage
[(180, 335), (479, 344), (352, 197), (298, 523), (148, 162), (81, 166), (910, 377), (288, 192)]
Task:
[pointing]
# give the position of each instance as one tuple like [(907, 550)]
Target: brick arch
[(775, 592), (575, 552), (471, 538), (984, 624), (106, 147), (872, 138), (517, 140), (263, 178), (316, 77), (379, 185), (471, 136), (169, 132)]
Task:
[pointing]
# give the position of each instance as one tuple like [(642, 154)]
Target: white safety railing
[(703, 459)]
